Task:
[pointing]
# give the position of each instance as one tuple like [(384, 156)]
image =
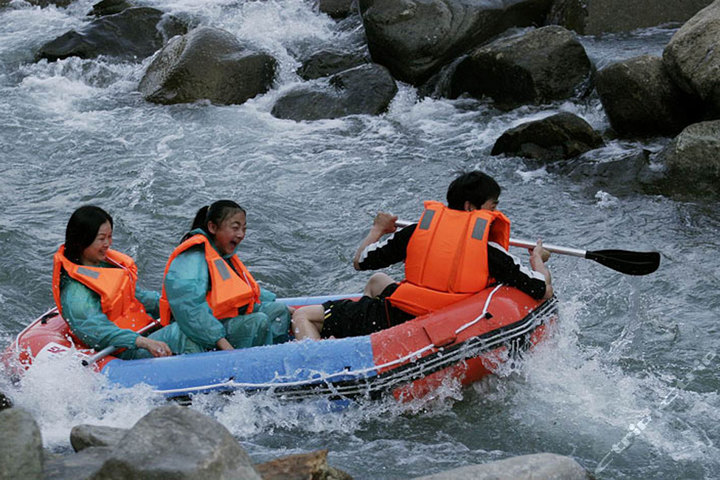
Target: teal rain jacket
[(83, 312), (186, 285)]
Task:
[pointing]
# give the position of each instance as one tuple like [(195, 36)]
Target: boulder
[(556, 137), (592, 17), (692, 57), (327, 62), (364, 90), (304, 466), (692, 160), (21, 450), (415, 38), (337, 8), (526, 467), (109, 7), (535, 67), (640, 98), (85, 436), (177, 442), (207, 63), (133, 34)]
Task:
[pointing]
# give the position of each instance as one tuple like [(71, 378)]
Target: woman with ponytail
[(210, 293)]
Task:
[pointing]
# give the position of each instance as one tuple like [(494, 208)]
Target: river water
[(628, 383)]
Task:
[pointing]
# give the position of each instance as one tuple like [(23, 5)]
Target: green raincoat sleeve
[(82, 310), (186, 285), (150, 300)]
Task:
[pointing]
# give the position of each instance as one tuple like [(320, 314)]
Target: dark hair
[(82, 228), (216, 213), (475, 187)]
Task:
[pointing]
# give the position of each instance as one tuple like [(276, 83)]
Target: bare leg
[(307, 322), (377, 284)]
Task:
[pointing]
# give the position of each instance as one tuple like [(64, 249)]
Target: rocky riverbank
[(174, 442), (512, 52)]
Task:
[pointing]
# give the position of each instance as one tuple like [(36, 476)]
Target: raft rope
[(483, 314), (357, 373)]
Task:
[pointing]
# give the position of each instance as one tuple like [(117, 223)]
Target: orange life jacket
[(230, 289), (116, 287), (447, 257)]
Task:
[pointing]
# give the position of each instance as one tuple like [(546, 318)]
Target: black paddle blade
[(632, 263)]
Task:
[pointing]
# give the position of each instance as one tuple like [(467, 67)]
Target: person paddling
[(95, 291), (452, 253), (210, 293)]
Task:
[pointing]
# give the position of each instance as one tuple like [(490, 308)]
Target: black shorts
[(349, 318)]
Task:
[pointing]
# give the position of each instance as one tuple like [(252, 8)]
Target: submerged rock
[(556, 137), (692, 57), (526, 467), (414, 39), (364, 90), (207, 63), (80, 466), (640, 98), (591, 17), (21, 452), (622, 176), (537, 67), (133, 34), (311, 465), (5, 402)]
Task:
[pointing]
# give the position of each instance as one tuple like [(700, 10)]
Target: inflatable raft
[(464, 342)]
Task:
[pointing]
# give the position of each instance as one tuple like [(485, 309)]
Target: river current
[(628, 383)]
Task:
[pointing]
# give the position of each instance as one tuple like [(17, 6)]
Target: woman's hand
[(155, 347), (223, 344)]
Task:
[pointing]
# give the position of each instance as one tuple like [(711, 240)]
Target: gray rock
[(80, 466), (327, 62), (536, 67), (109, 7), (337, 8), (207, 63), (133, 34), (539, 466), (556, 137), (177, 442), (692, 56), (21, 452), (640, 98), (592, 17), (367, 89), (415, 38), (84, 436), (692, 160)]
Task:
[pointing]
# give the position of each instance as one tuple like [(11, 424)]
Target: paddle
[(111, 349), (623, 261)]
